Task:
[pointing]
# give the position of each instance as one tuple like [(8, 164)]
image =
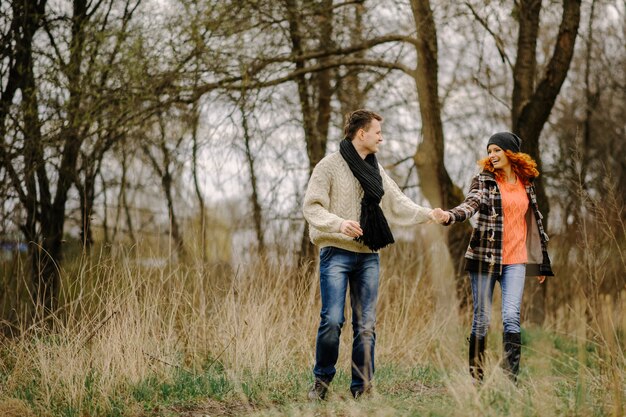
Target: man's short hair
[(359, 119)]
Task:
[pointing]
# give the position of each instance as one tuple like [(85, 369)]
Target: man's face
[(372, 137)]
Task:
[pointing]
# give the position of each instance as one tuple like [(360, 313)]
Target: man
[(348, 201)]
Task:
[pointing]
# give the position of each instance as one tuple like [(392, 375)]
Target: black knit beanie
[(506, 141)]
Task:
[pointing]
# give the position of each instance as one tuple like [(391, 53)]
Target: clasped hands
[(439, 216)]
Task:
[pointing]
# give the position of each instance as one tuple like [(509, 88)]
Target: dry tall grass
[(124, 323)]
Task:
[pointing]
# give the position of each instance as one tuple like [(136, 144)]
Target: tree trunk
[(105, 212), (122, 202), (196, 184), (91, 169), (592, 99), (350, 93), (525, 68), (46, 262), (315, 129), (45, 265), (165, 174), (45, 247), (87, 192), (257, 213), (532, 106), (435, 182), (44, 244), (127, 213), (177, 237)]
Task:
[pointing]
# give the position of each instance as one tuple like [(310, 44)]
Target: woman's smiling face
[(497, 157)]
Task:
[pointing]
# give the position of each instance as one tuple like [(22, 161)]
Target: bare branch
[(498, 40), (238, 83), (335, 52)]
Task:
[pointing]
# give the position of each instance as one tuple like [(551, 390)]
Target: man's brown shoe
[(318, 390)]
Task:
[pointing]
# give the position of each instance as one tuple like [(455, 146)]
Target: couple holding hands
[(507, 244)]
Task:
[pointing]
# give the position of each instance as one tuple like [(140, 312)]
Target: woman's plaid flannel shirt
[(484, 252)]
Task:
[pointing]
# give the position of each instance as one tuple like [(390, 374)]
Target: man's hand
[(351, 228), (541, 279), (440, 216)]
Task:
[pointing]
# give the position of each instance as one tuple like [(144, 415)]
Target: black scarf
[(376, 233)]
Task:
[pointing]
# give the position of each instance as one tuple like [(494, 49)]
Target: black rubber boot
[(476, 356), (512, 344)]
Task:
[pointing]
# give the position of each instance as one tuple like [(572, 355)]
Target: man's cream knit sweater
[(334, 195)]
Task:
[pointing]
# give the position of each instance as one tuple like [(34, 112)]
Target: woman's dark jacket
[(484, 252)]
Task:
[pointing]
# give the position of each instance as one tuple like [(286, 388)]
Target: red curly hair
[(522, 164)]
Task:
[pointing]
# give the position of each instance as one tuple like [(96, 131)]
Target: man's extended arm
[(400, 209)]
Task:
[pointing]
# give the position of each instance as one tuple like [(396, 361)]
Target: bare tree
[(162, 151), (195, 149), (533, 101), (257, 214), (314, 93), (24, 175), (104, 128), (350, 91), (122, 199), (41, 149)]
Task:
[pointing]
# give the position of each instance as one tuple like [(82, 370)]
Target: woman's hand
[(541, 278)]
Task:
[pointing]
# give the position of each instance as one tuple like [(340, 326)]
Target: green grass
[(406, 390)]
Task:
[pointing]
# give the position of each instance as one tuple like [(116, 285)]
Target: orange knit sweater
[(514, 206)]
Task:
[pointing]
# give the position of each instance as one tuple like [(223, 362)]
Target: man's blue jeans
[(512, 284), (338, 269)]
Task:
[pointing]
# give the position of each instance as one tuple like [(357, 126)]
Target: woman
[(508, 243)]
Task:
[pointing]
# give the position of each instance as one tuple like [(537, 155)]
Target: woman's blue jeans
[(339, 269), (512, 284)]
